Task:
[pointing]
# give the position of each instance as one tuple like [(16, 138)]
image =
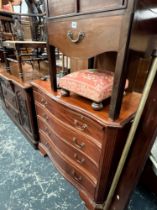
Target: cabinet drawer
[(103, 34), (78, 121), (83, 160), (77, 141), (64, 7), (9, 96), (77, 177), (94, 5), (61, 7)]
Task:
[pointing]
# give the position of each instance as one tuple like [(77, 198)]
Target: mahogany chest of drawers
[(84, 145), (17, 101)]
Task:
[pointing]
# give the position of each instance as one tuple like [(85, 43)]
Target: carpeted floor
[(30, 182)]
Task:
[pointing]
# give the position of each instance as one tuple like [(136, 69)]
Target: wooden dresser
[(84, 145), (17, 101)]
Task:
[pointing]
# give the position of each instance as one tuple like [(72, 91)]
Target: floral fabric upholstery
[(94, 85)]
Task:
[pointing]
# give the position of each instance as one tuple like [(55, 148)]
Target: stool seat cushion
[(92, 84)]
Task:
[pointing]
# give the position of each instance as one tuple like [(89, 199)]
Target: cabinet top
[(129, 105)]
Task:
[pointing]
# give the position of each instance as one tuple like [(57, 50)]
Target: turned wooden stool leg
[(97, 106), (65, 92)]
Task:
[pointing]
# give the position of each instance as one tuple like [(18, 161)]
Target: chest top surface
[(82, 106)]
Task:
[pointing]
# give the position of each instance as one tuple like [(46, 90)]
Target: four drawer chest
[(85, 145)]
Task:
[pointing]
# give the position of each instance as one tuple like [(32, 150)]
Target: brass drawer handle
[(80, 127), (75, 176), (70, 36), (46, 117), (47, 145), (80, 146), (43, 102), (47, 131), (79, 160)]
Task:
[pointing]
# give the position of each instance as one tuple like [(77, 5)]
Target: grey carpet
[(27, 180), (30, 182)]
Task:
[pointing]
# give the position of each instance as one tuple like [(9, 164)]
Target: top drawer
[(87, 37), (93, 5), (65, 7), (73, 118), (61, 7)]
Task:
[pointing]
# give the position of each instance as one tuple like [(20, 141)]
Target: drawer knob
[(79, 160), (75, 176), (79, 126), (80, 146), (80, 36)]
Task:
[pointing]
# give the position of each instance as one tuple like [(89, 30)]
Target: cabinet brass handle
[(75, 176), (47, 145), (70, 36), (80, 127), (45, 117), (44, 102), (47, 132), (80, 146), (79, 160)]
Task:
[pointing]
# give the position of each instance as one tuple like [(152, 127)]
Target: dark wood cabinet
[(84, 145), (17, 101)]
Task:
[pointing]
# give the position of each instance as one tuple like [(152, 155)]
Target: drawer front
[(9, 96), (78, 121), (64, 7), (94, 5), (103, 34), (78, 178), (61, 7), (72, 137), (81, 159)]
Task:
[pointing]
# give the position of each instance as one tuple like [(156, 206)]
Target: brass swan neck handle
[(70, 36)]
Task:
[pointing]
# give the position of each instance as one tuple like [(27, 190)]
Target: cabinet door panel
[(61, 7), (91, 5)]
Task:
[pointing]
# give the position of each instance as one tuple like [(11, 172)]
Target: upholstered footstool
[(92, 84)]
